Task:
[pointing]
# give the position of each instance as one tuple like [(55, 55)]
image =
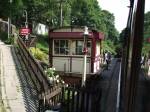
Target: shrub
[(42, 43), (10, 40), (38, 54), (50, 72), (3, 36), (5, 39)]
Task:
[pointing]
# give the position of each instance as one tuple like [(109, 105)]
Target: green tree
[(4, 9), (75, 12), (146, 45), (109, 20)]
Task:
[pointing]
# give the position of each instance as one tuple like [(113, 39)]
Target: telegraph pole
[(61, 12), (61, 18)]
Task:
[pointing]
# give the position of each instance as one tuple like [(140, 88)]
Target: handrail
[(36, 67), (47, 93)]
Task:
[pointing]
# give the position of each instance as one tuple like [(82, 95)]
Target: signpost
[(24, 31)]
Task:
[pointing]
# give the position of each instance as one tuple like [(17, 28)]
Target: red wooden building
[(66, 50)]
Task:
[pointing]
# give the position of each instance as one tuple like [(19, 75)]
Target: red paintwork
[(97, 35), (24, 31)]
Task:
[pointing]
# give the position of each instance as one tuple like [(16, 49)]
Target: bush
[(3, 36), (42, 43), (5, 39), (10, 40), (50, 72), (38, 54)]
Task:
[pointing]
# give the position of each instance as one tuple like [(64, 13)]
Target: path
[(18, 92)]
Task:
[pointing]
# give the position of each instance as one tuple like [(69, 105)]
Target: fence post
[(72, 102), (62, 99)]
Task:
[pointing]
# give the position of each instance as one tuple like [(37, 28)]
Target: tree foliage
[(146, 45), (75, 12), (147, 25)]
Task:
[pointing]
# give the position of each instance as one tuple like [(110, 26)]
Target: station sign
[(24, 31)]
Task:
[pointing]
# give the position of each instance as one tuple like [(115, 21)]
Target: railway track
[(108, 85)]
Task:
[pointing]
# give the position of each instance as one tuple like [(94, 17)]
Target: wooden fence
[(80, 100), (49, 95), (34, 68), (51, 99)]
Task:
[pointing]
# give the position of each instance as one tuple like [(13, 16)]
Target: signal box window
[(77, 47), (61, 47)]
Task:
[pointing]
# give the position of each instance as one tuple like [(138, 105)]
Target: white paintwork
[(77, 65), (70, 30), (149, 71), (63, 64), (84, 71), (40, 29), (97, 60)]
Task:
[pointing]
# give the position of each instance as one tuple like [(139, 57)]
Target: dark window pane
[(62, 43), (56, 51), (79, 46), (62, 50), (88, 44), (56, 43)]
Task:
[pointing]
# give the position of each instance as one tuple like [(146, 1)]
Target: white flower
[(57, 81), (50, 78), (57, 76)]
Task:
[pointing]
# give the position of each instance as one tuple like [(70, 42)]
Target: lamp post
[(85, 50), (26, 15), (9, 20), (26, 26)]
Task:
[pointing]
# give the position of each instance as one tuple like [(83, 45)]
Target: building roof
[(74, 33)]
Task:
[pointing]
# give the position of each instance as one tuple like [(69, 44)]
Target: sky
[(120, 10)]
